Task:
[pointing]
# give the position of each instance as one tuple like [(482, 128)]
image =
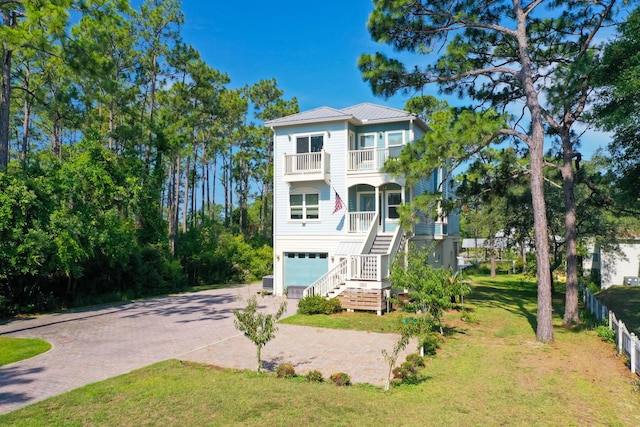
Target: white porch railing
[(329, 281), (368, 267), (370, 159), (360, 222), (307, 163)]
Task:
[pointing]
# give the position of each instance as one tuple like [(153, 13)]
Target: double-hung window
[(395, 142), (394, 200), (304, 206)]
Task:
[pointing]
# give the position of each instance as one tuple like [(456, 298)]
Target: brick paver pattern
[(96, 344)]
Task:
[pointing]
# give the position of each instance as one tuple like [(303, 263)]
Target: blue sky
[(310, 48)]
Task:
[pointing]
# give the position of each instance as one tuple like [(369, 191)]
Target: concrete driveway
[(97, 344)]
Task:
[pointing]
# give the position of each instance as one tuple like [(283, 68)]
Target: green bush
[(315, 376), (286, 370), (340, 379), (429, 343), (415, 359), (607, 334), (332, 305), (315, 304), (407, 373)]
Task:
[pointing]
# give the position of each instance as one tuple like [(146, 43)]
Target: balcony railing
[(370, 159), (307, 167)]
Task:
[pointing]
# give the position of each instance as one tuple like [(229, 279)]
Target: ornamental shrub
[(315, 377), (315, 304), (416, 359), (340, 379), (286, 370)]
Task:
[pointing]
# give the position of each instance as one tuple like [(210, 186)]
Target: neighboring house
[(336, 228), (613, 266)]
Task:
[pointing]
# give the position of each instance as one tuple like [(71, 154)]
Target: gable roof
[(365, 113)]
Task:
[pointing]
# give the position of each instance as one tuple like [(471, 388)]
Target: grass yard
[(15, 349), (488, 372), (624, 301)]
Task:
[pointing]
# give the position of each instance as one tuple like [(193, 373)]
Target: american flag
[(339, 204)]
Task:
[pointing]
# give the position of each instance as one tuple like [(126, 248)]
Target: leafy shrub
[(315, 377), (340, 379), (407, 373), (429, 343), (415, 359), (286, 370), (606, 334), (468, 317), (315, 304)]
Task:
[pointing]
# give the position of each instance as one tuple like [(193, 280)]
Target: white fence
[(626, 342)]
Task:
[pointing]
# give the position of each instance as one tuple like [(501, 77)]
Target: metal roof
[(365, 113)]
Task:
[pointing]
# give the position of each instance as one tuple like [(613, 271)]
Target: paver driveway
[(97, 344)]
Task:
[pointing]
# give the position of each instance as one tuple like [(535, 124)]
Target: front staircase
[(381, 244), (365, 267)]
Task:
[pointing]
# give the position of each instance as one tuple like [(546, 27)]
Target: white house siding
[(614, 267)]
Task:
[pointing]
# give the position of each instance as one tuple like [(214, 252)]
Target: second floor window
[(309, 144), (304, 206)]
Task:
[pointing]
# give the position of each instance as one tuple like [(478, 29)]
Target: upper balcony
[(370, 159), (307, 167)]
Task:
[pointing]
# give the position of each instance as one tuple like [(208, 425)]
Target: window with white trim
[(395, 142), (304, 206), (366, 140), (394, 200), (309, 143)]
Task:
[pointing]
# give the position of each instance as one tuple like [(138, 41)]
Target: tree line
[(532, 73), (128, 164)]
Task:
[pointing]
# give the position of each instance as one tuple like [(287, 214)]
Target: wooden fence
[(626, 342)]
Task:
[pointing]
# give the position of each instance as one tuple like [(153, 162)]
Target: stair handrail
[(397, 244), (328, 281), (371, 236)]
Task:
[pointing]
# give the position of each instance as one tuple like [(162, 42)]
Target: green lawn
[(15, 349), (488, 372)]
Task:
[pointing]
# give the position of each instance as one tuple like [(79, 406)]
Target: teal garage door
[(304, 268)]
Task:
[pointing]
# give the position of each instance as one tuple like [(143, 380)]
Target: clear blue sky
[(310, 48)]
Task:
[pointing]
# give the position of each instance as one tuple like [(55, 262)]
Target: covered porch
[(369, 203)]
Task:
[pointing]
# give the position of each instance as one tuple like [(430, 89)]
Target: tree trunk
[(5, 96), (25, 129), (535, 142), (571, 314), (544, 331), (186, 196), (492, 251)]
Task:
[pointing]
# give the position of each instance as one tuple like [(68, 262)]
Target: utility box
[(267, 284)]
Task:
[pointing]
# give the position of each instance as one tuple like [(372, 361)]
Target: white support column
[(379, 208)]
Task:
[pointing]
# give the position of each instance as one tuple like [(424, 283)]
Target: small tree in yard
[(392, 357), (430, 289), (258, 327)]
